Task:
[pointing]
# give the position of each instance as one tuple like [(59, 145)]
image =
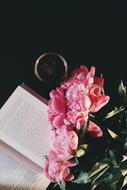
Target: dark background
[(119, 7), (89, 34)]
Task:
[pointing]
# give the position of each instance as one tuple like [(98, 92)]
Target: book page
[(16, 175), (24, 125)]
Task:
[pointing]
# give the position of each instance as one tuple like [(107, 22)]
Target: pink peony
[(83, 95), (69, 108), (65, 143), (56, 170)]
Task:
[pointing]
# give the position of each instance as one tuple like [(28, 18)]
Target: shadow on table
[(70, 186)]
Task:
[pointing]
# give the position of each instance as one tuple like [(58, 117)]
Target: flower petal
[(94, 130), (58, 105), (98, 102), (59, 121), (99, 81)]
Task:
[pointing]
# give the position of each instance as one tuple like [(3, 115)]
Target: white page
[(15, 175), (24, 125)]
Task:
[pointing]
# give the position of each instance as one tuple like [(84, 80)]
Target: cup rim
[(44, 54)]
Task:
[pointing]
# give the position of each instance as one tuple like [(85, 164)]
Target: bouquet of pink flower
[(75, 132)]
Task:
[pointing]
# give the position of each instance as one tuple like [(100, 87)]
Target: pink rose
[(56, 170), (65, 143)]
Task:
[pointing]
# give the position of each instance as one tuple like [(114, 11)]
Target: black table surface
[(28, 29)]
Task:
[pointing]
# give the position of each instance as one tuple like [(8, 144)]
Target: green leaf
[(123, 167), (109, 179), (124, 158), (113, 112), (122, 88), (113, 187), (55, 185), (125, 146), (85, 125), (114, 176), (62, 186), (112, 134), (76, 159), (122, 92), (98, 175), (99, 168), (113, 159), (96, 183), (105, 176), (83, 128), (120, 183), (82, 178), (125, 181)]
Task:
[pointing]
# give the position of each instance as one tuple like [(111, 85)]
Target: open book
[(24, 141)]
